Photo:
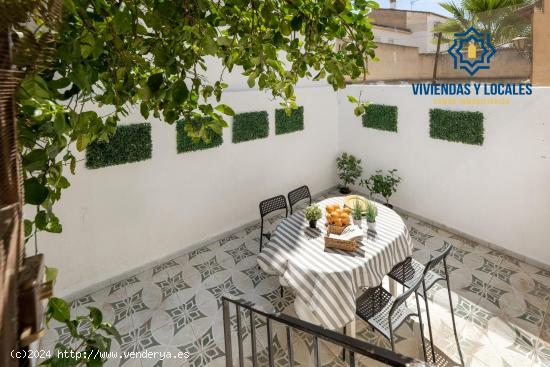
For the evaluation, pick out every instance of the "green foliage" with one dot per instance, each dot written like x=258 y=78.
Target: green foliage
x=457 y=126
x=92 y=335
x=152 y=55
x=357 y=210
x=250 y=126
x=372 y=212
x=186 y=143
x=380 y=117
x=349 y=169
x=385 y=185
x=313 y=212
x=285 y=123
x=131 y=143
x=500 y=19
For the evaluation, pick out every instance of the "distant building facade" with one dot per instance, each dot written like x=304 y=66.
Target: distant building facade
x=541 y=43
x=407 y=45
x=406 y=28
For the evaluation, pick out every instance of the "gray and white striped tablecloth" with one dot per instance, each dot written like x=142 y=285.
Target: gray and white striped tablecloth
x=329 y=280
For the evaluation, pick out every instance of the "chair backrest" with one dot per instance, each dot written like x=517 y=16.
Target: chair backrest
x=299 y=194
x=273 y=204
x=435 y=260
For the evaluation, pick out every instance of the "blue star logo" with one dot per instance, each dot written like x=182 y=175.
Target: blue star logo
x=461 y=46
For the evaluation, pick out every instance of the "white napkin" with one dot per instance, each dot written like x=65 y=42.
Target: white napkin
x=350 y=233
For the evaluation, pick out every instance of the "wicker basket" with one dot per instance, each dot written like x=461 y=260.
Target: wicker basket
x=336 y=243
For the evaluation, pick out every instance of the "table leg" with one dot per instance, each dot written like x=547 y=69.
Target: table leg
x=350 y=329
x=393 y=287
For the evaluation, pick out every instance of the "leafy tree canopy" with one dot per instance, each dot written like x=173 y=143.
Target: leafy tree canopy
x=153 y=54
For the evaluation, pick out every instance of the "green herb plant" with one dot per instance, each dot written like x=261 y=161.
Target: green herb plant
x=372 y=212
x=349 y=170
x=313 y=213
x=384 y=185
x=357 y=212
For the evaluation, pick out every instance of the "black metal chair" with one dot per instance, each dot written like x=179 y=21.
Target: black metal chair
x=409 y=270
x=268 y=206
x=299 y=194
x=385 y=313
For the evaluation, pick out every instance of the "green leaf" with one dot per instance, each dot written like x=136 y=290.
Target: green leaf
x=51 y=274
x=122 y=21
x=352 y=99
x=82 y=142
x=35 y=87
x=28 y=225
x=96 y=316
x=59 y=123
x=36 y=160
x=58 y=309
x=225 y=109
x=179 y=92
x=35 y=192
x=154 y=82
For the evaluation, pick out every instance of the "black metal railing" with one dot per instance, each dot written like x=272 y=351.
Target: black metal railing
x=351 y=346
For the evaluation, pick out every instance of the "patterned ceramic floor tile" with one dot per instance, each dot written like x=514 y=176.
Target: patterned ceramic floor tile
x=500 y=306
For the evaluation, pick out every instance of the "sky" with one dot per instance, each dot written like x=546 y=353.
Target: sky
x=424 y=5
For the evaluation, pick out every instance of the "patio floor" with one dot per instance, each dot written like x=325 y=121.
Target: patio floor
x=501 y=305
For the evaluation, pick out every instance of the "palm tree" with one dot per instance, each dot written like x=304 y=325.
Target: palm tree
x=499 y=18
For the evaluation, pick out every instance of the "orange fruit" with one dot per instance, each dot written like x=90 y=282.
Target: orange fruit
x=345 y=221
x=338 y=222
x=347 y=210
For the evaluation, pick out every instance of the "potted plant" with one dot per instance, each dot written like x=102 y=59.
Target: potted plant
x=349 y=170
x=357 y=213
x=313 y=213
x=384 y=185
x=372 y=212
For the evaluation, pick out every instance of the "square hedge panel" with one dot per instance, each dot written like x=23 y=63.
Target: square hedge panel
x=457 y=126
x=130 y=143
x=285 y=124
x=250 y=126
x=186 y=144
x=380 y=117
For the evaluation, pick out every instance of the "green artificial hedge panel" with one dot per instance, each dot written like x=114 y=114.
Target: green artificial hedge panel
x=186 y=144
x=285 y=124
x=380 y=117
x=131 y=143
x=250 y=126
x=457 y=126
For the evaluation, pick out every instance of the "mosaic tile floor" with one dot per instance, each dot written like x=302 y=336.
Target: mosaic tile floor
x=501 y=305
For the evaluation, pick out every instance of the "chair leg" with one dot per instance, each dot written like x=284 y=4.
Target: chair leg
x=344 y=349
x=392 y=341
x=429 y=321
x=453 y=314
x=421 y=327
x=282 y=291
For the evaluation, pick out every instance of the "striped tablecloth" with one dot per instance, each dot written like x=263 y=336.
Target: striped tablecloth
x=329 y=280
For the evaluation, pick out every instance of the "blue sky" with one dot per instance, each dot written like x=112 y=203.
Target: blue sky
x=425 y=5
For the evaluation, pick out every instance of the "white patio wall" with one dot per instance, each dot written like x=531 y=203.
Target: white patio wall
x=498 y=192
x=118 y=218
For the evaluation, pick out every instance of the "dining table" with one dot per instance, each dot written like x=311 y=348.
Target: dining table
x=327 y=281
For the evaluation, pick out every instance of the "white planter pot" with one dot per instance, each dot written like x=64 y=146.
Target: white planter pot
x=371 y=226
x=357 y=222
